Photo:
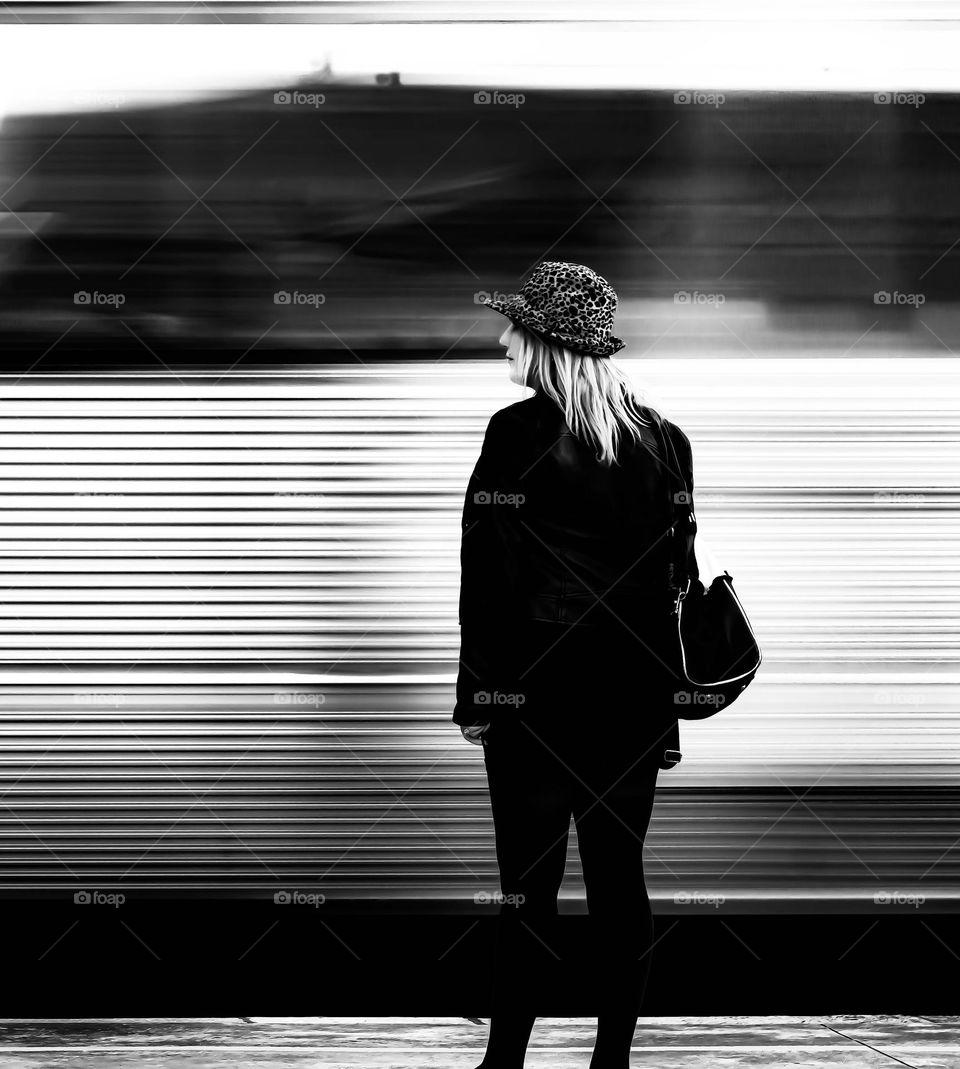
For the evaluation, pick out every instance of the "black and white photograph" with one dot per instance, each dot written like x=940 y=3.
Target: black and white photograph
x=479 y=529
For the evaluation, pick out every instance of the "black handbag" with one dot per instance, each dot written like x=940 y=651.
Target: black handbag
x=713 y=651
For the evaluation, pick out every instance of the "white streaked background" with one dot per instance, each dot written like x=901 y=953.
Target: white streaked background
x=229 y=626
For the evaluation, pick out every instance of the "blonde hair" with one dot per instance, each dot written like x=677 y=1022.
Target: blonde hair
x=597 y=399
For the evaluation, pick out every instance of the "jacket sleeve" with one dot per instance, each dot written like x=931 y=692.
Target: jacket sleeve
x=487 y=599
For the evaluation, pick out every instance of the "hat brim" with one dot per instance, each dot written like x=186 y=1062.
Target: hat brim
x=515 y=312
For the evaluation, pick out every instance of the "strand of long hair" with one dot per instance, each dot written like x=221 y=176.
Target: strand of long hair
x=597 y=399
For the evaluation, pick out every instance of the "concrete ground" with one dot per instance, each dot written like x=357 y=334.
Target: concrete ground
x=853 y=1042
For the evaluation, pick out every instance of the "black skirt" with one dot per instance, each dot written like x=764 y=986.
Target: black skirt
x=617 y=676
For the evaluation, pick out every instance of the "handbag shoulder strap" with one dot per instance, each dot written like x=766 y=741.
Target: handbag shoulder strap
x=683 y=521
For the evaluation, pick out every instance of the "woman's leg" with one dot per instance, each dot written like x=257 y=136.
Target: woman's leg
x=612 y=812
x=614 y=1039
x=532 y=804
x=507 y=1041
x=531 y=812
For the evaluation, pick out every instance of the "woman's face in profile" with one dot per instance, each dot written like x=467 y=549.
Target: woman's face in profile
x=510 y=340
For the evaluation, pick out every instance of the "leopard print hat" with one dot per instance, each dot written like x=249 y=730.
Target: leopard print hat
x=564 y=303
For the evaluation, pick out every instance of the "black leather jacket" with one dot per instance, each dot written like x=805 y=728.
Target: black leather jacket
x=547 y=530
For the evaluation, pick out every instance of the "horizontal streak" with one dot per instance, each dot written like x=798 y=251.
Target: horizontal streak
x=316 y=1045
x=206 y=553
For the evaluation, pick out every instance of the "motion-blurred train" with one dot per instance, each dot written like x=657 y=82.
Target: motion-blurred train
x=246 y=378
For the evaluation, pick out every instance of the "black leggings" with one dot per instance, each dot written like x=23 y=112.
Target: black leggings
x=541 y=771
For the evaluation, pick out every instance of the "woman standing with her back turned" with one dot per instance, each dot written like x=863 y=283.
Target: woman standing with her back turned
x=563 y=675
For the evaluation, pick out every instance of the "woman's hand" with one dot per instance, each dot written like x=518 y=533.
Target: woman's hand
x=472 y=732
